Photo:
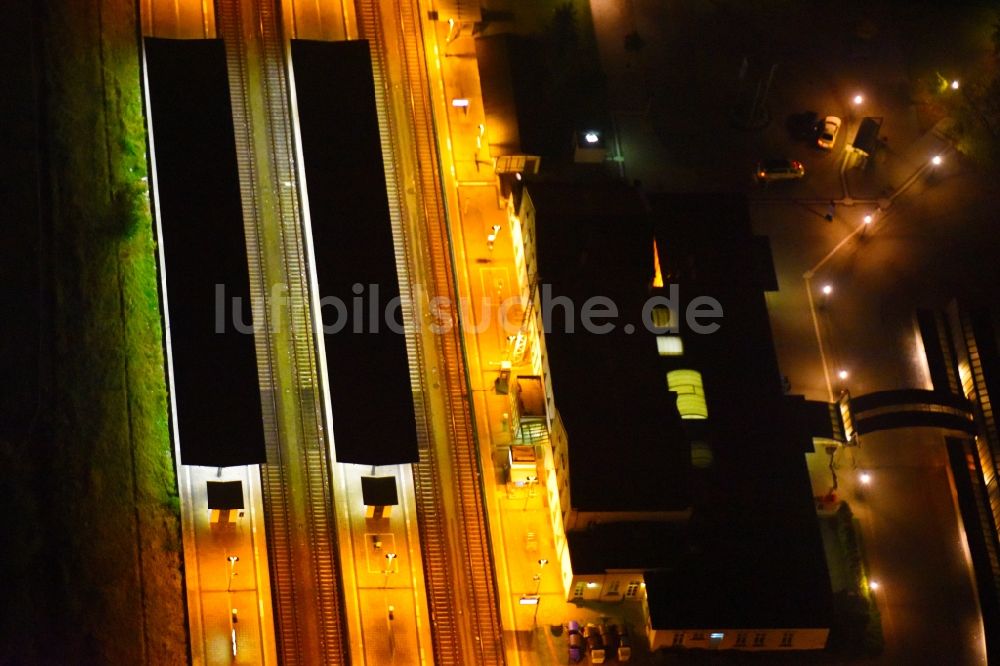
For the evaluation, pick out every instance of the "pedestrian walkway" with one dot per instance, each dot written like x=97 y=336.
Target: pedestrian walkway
x=524 y=543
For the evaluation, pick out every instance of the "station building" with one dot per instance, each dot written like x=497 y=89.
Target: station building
x=672 y=459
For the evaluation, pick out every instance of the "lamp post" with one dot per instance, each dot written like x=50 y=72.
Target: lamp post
x=531 y=481
x=826 y=290
x=233 y=617
x=854 y=108
x=232 y=559
x=389 y=557
x=538 y=588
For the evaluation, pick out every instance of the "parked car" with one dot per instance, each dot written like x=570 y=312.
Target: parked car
x=779 y=168
x=595 y=643
x=624 y=645
x=828 y=130
x=577 y=646
x=610 y=634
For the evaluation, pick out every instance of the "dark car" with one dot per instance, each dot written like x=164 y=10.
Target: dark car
x=595 y=643
x=779 y=168
x=611 y=636
x=624 y=645
x=577 y=645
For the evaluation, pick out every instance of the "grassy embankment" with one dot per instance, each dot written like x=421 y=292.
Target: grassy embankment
x=857 y=625
x=104 y=559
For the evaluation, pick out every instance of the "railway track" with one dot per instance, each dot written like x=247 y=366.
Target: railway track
x=297 y=493
x=458 y=561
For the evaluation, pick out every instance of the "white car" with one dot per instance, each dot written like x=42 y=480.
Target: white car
x=828 y=132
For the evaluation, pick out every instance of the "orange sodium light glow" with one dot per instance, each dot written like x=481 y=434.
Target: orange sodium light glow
x=657 y=275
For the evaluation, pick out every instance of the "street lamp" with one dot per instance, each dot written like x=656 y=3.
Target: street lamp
x=389 y=557
x=538 y=588
x=954 y=84
x=858 y=99
x=936 y=160
x=868 y=219
x=873 y=585
x=826 y=290
x=843 y=374
x=530 y=481
x=865 y=478
x=232 y=559
x=491 y=237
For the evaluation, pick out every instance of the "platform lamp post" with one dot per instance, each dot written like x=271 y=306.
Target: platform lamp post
x=538 y=588
x=530 y=483
x=233 y=616
x=389 y=557
x=232 y=559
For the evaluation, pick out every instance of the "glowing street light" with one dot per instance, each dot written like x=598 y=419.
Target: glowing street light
x=843 y=374
x=865 y=478
x=528 y=494
x=858 y=99
x=538 y=588
x=868 y=219
x=954 y=84
x=827 y=289
x=389 y=557
x=873 y=585
x=232 y=559
x=937 y=160
x=591 y=137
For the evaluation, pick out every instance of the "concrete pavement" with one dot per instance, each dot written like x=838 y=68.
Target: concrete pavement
x=213 y=588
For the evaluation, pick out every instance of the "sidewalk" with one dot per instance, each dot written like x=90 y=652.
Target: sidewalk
x=520 y=526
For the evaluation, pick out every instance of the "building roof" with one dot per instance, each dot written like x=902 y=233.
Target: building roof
x=754 y=533
x=640 y=546
x=371 y=399
x=379 y=491
x=627 y=448
x=759 y=557
x=498 y=93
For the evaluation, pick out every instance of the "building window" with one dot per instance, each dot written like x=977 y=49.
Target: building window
x=632 y=589
x=678 y=638
x=697 y=636
x=657 y=274
x=758 y=639
x=786 y=639
x=701 y=454
x=578 y=591
x=690 y=393
x=741 y=640
x=662 y=317
x=669 y=345
x=613 y=587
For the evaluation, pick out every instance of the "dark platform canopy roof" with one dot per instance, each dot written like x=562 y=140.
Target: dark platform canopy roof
x=225 y=494
x=379 y=490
